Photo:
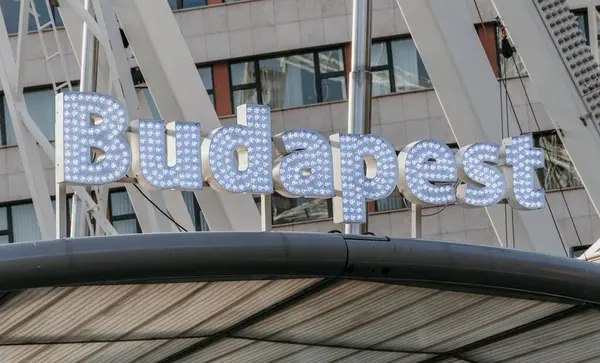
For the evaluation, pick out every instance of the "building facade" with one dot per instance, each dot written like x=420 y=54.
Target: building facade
x=294 y=55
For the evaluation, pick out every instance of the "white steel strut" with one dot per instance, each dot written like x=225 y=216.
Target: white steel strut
x=468 y=91
x=106 y=30
x=27 y=131
x=179 y=94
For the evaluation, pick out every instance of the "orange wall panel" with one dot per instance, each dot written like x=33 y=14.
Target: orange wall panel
x=487 y=35
x=222 y=90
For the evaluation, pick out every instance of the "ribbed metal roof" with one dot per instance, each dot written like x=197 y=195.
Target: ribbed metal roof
x=340 y=300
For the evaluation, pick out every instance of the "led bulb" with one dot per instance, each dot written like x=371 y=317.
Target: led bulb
x=571 y=42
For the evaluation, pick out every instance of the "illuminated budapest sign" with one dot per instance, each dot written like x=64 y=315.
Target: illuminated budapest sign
x=96 y=144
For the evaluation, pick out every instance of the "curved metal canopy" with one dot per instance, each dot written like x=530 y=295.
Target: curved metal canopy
x=278 y=297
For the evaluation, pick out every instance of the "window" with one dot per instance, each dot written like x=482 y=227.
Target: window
x=558 y=171
x=41 y=106
x=18 y=223
x=291 y=80
x=11 y=9
x=184 y=4
x=391 y=204
x=206 y=74
x=397 y=67
x=583 y=21
x=511 y=67
x=291 y=210
x=578 y=251
x=195 y=212
x=5 y=234
x=122 y=215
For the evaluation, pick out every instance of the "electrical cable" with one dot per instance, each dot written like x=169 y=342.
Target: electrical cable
x=159 y=209
x=508 y=52
x=436 y=213
x=179 y=226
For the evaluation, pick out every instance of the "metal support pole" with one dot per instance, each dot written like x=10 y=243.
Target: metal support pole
x=61 y=210
x=88 y=80
x=266 y=213
x=359 y=98
x=416 y=217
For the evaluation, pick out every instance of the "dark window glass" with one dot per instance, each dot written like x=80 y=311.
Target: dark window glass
x=207 y=79
x=4 y=225
x=583 y=22
x=193 y=3
x=243 y=73
x=578 y=251
x=184 y=4
x=293 y=210
x=11 y=9
x=122 y=215
x=333 y=88
x=41 y=107
x=331 y=61
x=509 y=67
x=391 y=203
x=558 y=171
x=397 y=67
x=194 y=209
x=409 y=71
x=289 y=81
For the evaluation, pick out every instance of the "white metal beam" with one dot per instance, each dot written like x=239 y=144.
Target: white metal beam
x=171 y=202
x=28 y=134
x=469 y=93
x=28 y=149
x=106 y=29
x=557 y=88
x=174 y=82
